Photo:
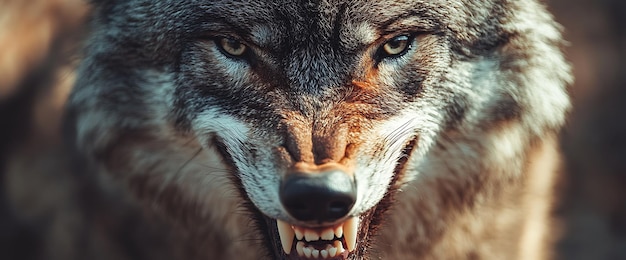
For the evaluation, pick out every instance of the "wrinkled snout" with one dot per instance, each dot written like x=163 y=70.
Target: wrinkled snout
x=318 y=196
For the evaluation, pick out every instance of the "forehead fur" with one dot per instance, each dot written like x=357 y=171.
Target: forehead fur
x=275 y=25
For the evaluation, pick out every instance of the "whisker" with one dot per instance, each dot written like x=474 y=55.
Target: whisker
x=188 y=161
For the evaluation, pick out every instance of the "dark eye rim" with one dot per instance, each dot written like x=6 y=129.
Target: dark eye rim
x=381 y=54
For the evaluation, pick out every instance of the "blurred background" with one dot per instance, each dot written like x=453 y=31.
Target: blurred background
x=38 y=43
x=594 y=203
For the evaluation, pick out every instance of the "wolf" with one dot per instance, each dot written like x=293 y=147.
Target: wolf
x=334 y=129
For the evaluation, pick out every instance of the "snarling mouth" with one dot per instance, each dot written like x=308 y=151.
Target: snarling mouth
x=321 y=243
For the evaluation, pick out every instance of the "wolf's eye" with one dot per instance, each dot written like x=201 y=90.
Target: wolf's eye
x=395 y=47
x=231 y=47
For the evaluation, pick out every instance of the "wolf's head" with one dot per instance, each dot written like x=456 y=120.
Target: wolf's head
x=317 y=111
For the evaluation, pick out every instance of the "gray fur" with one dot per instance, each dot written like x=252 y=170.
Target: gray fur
x=156 y=103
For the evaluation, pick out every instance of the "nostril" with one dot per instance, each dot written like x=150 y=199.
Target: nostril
x=302 y=211
x=338 y=209
x=322 y=197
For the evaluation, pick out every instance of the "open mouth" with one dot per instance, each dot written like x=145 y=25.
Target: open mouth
x=320 y=243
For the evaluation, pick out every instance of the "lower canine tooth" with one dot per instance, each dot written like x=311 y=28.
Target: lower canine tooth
x=350 y=228
x=286 y=234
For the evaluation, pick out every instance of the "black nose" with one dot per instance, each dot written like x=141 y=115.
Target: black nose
x=321 y=197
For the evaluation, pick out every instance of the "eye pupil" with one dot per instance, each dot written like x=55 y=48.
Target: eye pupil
x=232 y=47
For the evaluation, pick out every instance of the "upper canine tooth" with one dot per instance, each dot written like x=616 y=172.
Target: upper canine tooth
x=286 y=233
x=328 y=234
x=350 y=228
x=311 y=235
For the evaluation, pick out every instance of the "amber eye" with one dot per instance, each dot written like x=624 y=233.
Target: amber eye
x=396 y=46
x=232 y=47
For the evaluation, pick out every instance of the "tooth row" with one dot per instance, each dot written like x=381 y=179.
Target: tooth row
x=311 y=252
x=287 y=232
x=312 y=235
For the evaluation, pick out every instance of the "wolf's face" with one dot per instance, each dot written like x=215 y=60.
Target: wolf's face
x=320 y=110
